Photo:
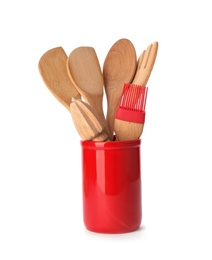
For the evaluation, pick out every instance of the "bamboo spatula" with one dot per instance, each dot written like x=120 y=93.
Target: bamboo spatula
x=52 y=68
x=127 y=125
x=85 y=73
x=87 y=122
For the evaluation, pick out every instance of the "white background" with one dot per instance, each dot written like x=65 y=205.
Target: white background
x=40 y=163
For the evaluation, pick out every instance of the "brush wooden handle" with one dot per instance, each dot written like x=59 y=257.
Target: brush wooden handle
x=127 y=130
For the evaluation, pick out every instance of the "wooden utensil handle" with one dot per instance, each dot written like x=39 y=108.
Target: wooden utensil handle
x=96 y=104
x=103 y=137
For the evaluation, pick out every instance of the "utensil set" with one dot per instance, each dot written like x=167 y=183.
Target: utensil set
x=78 y=83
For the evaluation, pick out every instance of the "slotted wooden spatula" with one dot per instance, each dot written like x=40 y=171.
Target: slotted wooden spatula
x=87 y=122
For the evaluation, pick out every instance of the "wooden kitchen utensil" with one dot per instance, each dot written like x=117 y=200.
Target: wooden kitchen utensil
x=87 y=122
x=129 y=121
x=85 y=72
x=146 y=62
x=119 y=68
x=52 y=68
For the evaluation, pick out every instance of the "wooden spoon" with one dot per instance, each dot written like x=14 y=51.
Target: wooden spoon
x=52 y=67
x=119 y=68
x=87 y=122
x=85 y=72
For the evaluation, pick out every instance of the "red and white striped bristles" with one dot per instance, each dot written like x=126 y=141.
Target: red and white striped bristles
x=132 y=103
x=133 y=97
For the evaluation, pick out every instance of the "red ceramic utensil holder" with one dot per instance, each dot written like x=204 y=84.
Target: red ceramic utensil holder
x=111 y=186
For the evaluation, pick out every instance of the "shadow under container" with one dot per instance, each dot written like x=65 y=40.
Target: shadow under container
x=111 y=186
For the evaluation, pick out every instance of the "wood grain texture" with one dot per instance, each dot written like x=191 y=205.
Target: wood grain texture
x=119 y=67
x=52 y=68
x=87 y=122
x=146 y=63
x=129 y=130
x=85 y=73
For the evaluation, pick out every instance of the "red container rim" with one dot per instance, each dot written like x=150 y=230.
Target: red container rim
x=110 y=145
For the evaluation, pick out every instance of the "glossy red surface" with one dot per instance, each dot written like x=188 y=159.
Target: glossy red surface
x=111 y=186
